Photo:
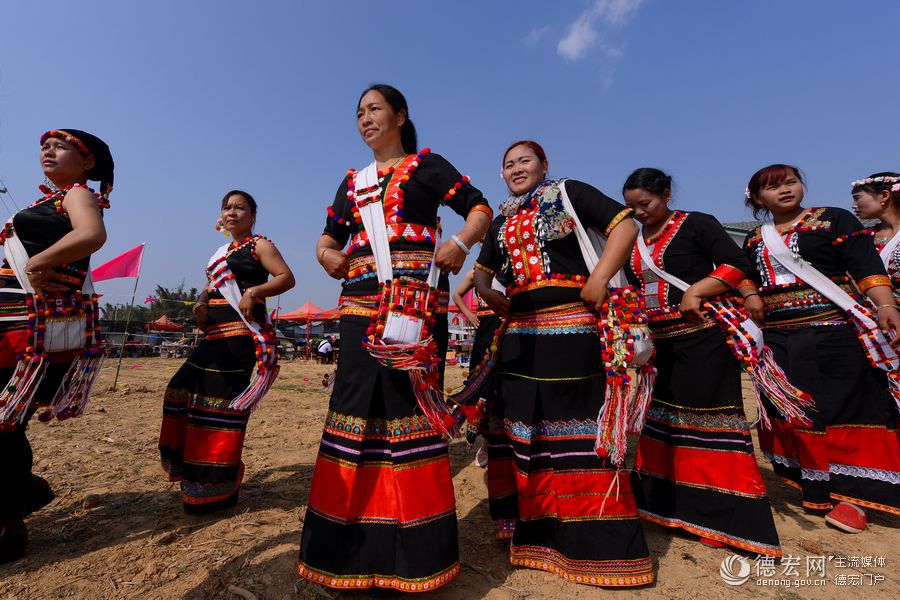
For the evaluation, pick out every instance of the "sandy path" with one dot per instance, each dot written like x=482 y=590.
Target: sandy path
x=137 y=543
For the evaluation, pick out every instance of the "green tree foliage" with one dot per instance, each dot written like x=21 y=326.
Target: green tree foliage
x=175 y=303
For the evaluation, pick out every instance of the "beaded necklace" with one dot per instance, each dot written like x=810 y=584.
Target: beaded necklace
x=397 y=179
x=53 y=196
x=216 y=268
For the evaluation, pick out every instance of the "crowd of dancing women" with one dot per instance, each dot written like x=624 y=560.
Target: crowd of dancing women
x=598 y=320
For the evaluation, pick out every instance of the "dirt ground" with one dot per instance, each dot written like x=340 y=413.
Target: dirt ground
x=137 y=543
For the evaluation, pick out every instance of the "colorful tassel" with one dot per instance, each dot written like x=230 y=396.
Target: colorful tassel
x=758 y=362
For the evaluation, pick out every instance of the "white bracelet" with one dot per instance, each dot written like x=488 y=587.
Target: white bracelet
x=461 y=244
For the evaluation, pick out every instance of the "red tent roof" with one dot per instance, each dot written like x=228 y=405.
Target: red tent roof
x=164 y=324
x=311 y=312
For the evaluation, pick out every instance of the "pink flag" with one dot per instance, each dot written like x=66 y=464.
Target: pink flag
x=470 y=300
x=127 y=264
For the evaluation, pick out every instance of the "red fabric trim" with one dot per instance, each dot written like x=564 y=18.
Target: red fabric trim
x=872 y=446
x=575 y=494
x=808 y=447
x=729 y=471
x=867 y=283
x=12 y=344
x=172 y=433
x=213 y=445
x=864 y=446
x=374 y=491
x=728 y=274
x=483 y=208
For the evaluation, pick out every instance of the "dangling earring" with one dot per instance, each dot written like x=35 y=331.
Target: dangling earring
x=220 y=226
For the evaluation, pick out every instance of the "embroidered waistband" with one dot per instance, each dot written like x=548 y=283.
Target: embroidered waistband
x=225 y=330
x=402 y=262
x=681 y=327
x=365 y=306
x=561 y=319
x=819 y=319
x=550 y=282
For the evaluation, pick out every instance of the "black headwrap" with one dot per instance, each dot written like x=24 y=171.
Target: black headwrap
x=89 y=145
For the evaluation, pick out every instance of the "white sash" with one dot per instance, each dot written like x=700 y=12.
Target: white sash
x=232 y=293
x=644 y=252
x=888 y=249
x=372 y=215
x=398 y=328
x=591 y=241
x=825 y=286
x=61 y=334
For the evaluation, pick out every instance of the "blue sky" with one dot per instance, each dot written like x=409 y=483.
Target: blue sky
x=196 y=98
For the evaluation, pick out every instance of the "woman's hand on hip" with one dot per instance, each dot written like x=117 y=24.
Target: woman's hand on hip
x=335 y=263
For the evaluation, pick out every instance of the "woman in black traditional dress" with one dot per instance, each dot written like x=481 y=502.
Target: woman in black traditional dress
x=695 y=467
x=208 y=401
x=565 y=509
x=381 y=510
x=59 y=232
x=851 y=453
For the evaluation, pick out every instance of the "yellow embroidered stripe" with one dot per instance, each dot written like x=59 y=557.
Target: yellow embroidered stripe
x=617 y=219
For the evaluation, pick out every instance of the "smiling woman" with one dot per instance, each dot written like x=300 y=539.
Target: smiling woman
x=851 y=452
x=550 y=493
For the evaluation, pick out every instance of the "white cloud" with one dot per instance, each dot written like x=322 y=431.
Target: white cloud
x=536 y=35
x=585 y=31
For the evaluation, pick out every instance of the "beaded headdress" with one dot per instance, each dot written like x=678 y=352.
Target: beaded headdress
x=89 y=146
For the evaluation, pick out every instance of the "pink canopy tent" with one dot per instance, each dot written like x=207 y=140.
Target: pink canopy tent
x=308 y=313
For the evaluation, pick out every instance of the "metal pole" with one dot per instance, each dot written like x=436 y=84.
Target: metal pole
x=125 y=337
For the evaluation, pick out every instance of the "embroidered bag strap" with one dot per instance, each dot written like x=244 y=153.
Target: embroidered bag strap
x=876 y=344
x=590 y=241
x=888 y=249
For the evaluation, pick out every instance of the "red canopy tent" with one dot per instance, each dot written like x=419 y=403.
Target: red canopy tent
x=164 y=324
x=308 y=313
x=302 y=314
